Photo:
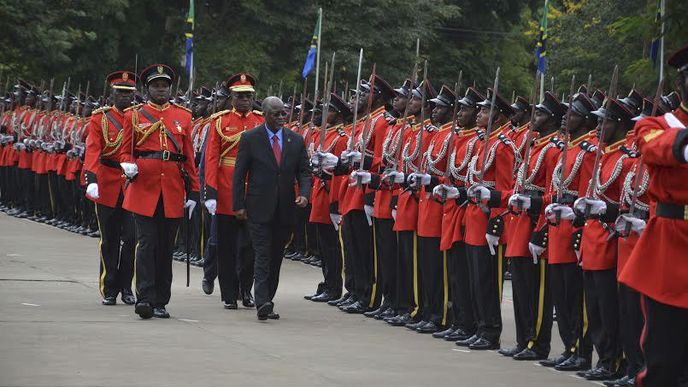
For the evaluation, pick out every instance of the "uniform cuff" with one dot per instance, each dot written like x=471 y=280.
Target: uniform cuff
x=679 y=144
x=495 y=200
x=90 y=177
x=209 y=193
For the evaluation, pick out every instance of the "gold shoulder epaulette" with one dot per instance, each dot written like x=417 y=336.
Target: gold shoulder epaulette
x=258 y=112
x=182 y=107
x=133 y=107
x=220 y=113
x=101 y=110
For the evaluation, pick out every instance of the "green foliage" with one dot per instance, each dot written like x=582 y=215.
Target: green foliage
x=87 y=39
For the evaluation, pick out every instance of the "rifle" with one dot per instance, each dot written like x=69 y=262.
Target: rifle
x=327 y=97
x=423 y=99
x=490 y=123
x=291 y=107
x=452 y=134
x=303 y=103
x=279 y=90
x=350 y=145
x=404 y=119
x=176 y=92
x=592 y=188
x=564 y=152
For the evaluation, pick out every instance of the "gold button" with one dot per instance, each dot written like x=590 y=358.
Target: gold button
x=162 y=174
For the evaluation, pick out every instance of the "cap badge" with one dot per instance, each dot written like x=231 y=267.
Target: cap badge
x=243 y=78
x=125 y=76
x=160 y=69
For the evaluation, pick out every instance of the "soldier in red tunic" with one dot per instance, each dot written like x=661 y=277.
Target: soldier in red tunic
x=224 y=134
x=657 y=266
x=599 y=250
x=157 y=157
x=105 y=186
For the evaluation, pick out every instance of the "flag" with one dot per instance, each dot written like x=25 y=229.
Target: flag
x=541 y=46
x=189 y=39
x=312 y=51
x=654 y=47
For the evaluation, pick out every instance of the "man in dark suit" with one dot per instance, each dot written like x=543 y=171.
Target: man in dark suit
x=272 y=158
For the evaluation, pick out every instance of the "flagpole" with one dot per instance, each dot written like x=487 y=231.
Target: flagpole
x=542 y=74
x=317 y=53
x=661 y=40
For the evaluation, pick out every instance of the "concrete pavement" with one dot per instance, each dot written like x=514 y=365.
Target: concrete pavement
x=54 y=332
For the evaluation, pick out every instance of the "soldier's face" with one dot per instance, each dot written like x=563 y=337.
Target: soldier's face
x=30 y=100
x=415 y=104
x=609 y=127
x=159 y=91
x=466 y=116
x=362 y=100
x=122 y=98
x=441 y=114
x=517 y=117
x=399 y=103
x=539 y=120
x=683 y=85
x=242 y=101
x=483 y=117
x=86 y=112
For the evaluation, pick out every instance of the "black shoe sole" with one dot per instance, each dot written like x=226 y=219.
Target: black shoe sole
x=264 y=311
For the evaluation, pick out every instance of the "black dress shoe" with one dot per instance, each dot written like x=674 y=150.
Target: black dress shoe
x=349 y=301
x=207 y=286
x=374 y=313
x=457 y=335
x=144 y=310
x=483 y=344
x=429 y=327
x=574 y=363
x=344 y=297
x=160 y=312
x=247 y=300
x=323 y=297
x=510 y=352
x=600 y=373
x=444 y=333
x=549 y=363
x=400 y=320
x=298 y=257
x=620 y=382
x=231 y=305
x=387 y=313
x=413 y=325
x=529 y=354
x=630 y=382
x=273 y=316
x=265 y=310
x=109 y=300
x=468 y=341
x=128 y=297
x=357 y=307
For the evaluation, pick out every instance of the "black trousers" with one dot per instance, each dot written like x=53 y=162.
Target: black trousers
x=431 y=263
x=210 y=249
x=331 y=253
x=227 y=251
x=485 y=273
x=27 y=186
x=566 y=286
x=41 y=194
x=359 y=251
x=665 y=345
x=245 y=258
x=385 y=241
x=631 y=323
x=299 y=240
x=460 y=296
x=602 y=305
x=116 y=249
x=154 y=241
x=532 y=304
x=268 y=240
x=408 y=280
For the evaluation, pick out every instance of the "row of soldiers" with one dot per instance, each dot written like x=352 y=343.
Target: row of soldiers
x=419 y=198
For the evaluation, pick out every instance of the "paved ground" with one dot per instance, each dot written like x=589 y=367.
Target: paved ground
x=54 y=332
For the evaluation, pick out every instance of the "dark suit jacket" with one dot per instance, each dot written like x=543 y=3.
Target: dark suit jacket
x=270 y=194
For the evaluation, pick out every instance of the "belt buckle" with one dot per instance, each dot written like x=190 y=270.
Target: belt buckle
x=166 y=155
x=685 y=213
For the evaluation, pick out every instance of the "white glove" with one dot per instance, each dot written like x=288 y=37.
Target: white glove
x=20 y=146
x=92 y=190
x=637 y=225
x=522 y=202
x=418 y=179
x=394 y=215
x=394 y=177
x=685 y=152
x=492 y=243
x=369 y=213
x=325 y=161
x=130 y=169
x=190 y=204
x=535 y=251
x=565 y=212
x=211 y=205
x=597 y=207
x=363 y=175
x=447 y=191
x=479 y=192
x=336 y=220
x=350 y=157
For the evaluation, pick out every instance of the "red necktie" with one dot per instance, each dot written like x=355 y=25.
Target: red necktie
x=276 y=149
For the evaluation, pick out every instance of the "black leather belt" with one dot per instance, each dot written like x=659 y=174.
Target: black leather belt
x=672 y=211
x=110 y=163
x=162 y=155
x=533 y=193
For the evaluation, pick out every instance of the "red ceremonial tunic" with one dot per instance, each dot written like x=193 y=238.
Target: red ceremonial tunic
x=435 y=160
x=382 y=205
x=220 y=154
x=658 y=265
x=158 y=177
x=335 y=143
